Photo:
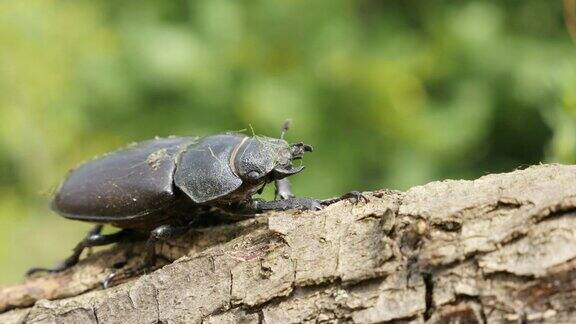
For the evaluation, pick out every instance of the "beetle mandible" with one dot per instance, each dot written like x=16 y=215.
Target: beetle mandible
x=159 y=186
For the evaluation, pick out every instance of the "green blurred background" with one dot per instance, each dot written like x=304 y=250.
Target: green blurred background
x=391 y=93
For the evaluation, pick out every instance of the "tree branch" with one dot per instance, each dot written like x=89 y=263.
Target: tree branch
x=500 y=248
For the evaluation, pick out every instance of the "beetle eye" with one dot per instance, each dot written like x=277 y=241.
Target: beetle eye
x=253 y=175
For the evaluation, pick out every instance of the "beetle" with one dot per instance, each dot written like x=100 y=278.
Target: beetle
x=159 y=187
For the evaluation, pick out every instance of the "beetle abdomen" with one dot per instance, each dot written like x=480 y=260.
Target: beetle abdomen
x=133 y=182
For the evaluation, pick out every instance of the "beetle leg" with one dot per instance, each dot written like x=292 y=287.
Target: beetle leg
x=161 y=233
x=355 y=196
x=97 y=229
x=93 y=238
x=283 y=189
x=259 y=206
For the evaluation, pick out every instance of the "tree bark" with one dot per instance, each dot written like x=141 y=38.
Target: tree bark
x=498 y=249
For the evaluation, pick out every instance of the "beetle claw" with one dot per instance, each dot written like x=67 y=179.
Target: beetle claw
x=355 y=196
x=108 y=279
x=315 y=205
x=122 y=274
x=58 y=268
x=307 y=204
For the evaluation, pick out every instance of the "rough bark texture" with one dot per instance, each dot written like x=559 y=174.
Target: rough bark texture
x=500 y=248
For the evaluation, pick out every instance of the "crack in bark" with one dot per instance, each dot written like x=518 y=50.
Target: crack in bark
x=260 y=317
x=482 y=312
x=429 y=295
x=95 y=315
x=157 y=303
x=230 y=290
x=464 y=309
x=407 y=319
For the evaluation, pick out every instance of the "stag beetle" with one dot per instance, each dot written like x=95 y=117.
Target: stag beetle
x=157 y=187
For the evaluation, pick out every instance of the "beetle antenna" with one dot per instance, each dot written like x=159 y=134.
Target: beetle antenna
x=285 y=127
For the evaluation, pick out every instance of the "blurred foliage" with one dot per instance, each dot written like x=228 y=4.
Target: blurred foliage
x=390 y=93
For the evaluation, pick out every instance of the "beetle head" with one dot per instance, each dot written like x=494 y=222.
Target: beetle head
x=264 y=159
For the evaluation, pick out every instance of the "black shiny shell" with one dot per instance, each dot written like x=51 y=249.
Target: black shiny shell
x=133 y=182
x=205 y=171
x=259 y=155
